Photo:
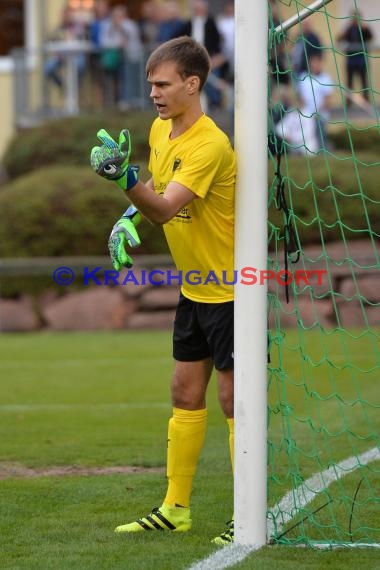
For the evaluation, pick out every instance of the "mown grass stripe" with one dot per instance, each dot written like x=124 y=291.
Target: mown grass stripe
x=301 y=496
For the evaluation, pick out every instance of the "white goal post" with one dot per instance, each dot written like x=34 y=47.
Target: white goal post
x=250 y=477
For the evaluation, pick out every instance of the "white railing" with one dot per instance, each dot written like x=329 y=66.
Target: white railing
x=82 y=84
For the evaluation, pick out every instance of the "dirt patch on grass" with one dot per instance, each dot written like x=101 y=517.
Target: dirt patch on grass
x=11 y=470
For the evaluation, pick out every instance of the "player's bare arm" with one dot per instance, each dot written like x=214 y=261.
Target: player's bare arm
x=159 y=209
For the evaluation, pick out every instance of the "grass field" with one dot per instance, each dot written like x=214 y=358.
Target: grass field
x=88 y=400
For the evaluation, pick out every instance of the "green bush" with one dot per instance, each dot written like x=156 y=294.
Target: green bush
x=330 y=197
x=64 y=209
x=354 y=138
x=68 y=141
x=60 y=211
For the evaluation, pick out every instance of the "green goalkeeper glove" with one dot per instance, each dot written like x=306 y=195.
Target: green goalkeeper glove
x=124 y=233
x=111 y=160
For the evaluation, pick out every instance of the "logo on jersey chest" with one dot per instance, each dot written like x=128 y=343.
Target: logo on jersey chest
x=176 y=164
x=183 y=215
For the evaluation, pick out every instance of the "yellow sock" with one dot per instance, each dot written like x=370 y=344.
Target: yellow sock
x=186 y=434
x=231 y=426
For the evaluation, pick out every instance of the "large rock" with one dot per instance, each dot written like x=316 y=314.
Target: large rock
x=305 y=313
x=340 y=255
x=18 y=315
x=46 y=298
x=100 y=308
x=365 y=286
x=359 y=302
x=303 y=280
x=159 y=298
x=338 y=258
x=168 y=276
x=136 y=282
x=151 y=320
x=353 y=314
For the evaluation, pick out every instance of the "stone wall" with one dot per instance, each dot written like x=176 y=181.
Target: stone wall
x=103 y=307
x=348 y=296
x=354 y=278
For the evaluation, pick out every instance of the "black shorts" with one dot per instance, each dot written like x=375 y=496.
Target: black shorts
x=204 y=330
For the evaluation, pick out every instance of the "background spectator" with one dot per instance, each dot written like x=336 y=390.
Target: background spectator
x=68 y=30
x=315 y=89
x=133 y=69
x=307 y=44
x=101 y=14
x=121 y=58
x=170 y=24
x=148 y=24
x=279 y=66
x=226 y=26
x=356 y=35
x=298 y=131
x=202 y=27
x=113 y=39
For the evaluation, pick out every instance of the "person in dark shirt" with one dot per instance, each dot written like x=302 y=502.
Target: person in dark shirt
x=148 y=24
x=356 y=35
x=170 y=24
x=307 y=44
x=202 y=27
x=101 y=13
x=279 y=67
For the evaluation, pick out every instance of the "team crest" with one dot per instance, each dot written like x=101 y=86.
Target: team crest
x=176 y=164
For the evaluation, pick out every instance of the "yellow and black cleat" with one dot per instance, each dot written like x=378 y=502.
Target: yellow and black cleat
x=227 y=537
x=176 y=519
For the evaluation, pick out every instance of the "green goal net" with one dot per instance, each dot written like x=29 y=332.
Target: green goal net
x=323 y=274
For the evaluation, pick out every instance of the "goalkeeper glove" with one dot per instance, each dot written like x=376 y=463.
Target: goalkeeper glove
x=124 y=233
x=111 y=160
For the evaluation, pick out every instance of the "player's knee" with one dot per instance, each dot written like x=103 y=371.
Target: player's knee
x=227 y=404
x=186 y=400
x=186 y=397
x=226 y=392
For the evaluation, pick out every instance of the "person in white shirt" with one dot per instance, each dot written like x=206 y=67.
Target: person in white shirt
x=298 y=131
x=315 y=89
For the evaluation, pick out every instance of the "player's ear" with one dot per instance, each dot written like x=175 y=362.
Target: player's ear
x=193 y=84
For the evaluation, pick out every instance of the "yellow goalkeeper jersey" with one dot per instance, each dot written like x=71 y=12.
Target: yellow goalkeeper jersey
x=201 y=235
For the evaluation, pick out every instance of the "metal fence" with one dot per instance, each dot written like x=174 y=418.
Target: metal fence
x=67 y=78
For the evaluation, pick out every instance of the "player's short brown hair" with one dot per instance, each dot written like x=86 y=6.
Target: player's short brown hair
x=190 y=57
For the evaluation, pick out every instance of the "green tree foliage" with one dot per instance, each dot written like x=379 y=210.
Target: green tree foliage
x=68 y=141
x=59 y=211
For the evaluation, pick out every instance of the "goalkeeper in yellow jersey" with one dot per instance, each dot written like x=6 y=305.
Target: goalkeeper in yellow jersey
x=191 y=193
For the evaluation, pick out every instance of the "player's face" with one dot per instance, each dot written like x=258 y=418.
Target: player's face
x=172 y=95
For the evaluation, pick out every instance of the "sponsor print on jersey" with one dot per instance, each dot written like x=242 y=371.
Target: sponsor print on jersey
x=183 y=215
